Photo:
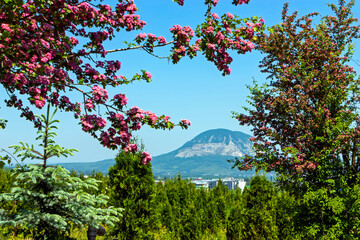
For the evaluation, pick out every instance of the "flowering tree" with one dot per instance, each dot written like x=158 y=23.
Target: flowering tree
x=42 y=59
x=305 y=120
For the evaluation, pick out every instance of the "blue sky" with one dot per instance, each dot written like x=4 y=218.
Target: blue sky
x=192 y=89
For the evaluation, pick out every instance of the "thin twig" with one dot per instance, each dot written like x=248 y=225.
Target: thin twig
x=87 y=95
x=356 y=62
x=152 y=54
x=11 y=156
x=136 y=47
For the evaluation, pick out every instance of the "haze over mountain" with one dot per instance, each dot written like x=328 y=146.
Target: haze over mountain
x=204 y=155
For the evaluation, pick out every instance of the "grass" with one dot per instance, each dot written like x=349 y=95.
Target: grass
x=162 y=234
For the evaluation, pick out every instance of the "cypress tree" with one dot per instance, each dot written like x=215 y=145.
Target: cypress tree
x=132 y=187
x=259 y=212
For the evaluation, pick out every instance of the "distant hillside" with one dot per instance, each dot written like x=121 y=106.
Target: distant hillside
x=205 y=155
x=87 y=167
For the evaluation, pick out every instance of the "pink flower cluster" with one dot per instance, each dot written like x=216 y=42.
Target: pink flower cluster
x=145 y=158
x=100 y=95
x=121 y=98
x=92 y=122
x=212 y=2
x=89 y=104
x=39 y=101
x=149 y=39
x=239 y=2
x=47 y=41
x=185 y=123
x=182 y=37
x=131 y=148
x=217 y=36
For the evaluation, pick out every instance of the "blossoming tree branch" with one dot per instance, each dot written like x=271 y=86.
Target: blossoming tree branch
x=42 y=58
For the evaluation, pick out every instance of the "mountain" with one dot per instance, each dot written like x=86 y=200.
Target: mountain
x=87 y=167
x=216 y=142
x=205 y=155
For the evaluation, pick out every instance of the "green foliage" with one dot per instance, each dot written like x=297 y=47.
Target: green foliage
x=164 y=209
x=48 y=146
x=259 y=210
x=189 y=213
x=286 y=209
x=49 y=201
x=319 y=213
x=235 y=223
x=182 y=196
x=132 y=188
x=3 y=123
x=322 y=214
x=305 y=119
x=52 y=199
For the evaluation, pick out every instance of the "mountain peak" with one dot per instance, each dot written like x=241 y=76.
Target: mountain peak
x=217 y=142
x=205 y=153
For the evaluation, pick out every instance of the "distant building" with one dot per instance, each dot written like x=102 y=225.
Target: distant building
x=159 y=181
x=213 y=183
x=231 y=183
x=199 y=183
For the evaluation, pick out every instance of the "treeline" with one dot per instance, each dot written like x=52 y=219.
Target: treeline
x=176 y=209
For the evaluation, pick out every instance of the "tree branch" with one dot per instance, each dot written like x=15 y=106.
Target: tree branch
x=136 y=47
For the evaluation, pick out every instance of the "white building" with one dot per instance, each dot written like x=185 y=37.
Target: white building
x=231 y=183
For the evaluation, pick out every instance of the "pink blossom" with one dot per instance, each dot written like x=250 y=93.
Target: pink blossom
x=209 y=30
x=145 y=157
x=47 y=26
x=121 y=97
x=141 y=35
x=250 y=24
x=215 y=16
x=148 y=75
x=131 y=148
x=211 y=46
x=39 y=101
x=136 y=126
x=229 y=15
x=161 y=39
x=101 y=122
x=239 y=2
x=166 y=119
x=250 y=45
x=6 y=27
x=89 y=104
x=100 y=94
x=44 y=59
x=186 y=122
x=105 y=138
x=153 y=118
x=74 y=40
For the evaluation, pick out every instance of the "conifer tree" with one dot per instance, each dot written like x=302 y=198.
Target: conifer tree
x=133 y=188
x=182 y=196
x=164 y=209
x=234 y=221
x=259 y=212
x=51 y=200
